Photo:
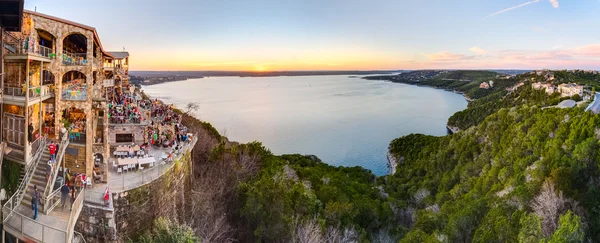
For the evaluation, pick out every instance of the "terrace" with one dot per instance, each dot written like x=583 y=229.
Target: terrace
x=140 y=172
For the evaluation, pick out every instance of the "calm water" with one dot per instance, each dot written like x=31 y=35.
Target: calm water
x=344 y=121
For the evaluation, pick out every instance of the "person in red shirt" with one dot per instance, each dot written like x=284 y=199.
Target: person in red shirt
x=52 y=149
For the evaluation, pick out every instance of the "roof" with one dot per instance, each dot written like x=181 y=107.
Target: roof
x=86 y=27
x=119 y=54
x=11 y=14
x=567 y=104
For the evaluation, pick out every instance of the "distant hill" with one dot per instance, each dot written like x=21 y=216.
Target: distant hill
x=257 y=74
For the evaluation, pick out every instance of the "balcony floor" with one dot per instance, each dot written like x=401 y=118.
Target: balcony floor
x=58 y=218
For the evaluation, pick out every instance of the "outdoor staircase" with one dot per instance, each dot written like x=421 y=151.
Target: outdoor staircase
x=38 y=179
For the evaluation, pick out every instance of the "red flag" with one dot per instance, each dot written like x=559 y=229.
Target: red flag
x=106 y=194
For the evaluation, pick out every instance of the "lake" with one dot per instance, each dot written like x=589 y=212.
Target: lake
x=342 y=120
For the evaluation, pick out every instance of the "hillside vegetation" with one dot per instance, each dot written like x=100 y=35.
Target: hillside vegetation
x=516 y=173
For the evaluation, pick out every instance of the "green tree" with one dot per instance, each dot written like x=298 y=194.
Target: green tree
x=531 y=229
x=569 y=229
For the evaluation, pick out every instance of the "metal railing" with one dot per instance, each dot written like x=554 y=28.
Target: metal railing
x=40 y=91
x=51 y=198
x=16 y=198
x=14 y=91
x=134 y=179
x=32 y=92
x=76 y=210
x=26 y=47
x=108 y=82
x=33 y=229
x=74 y=58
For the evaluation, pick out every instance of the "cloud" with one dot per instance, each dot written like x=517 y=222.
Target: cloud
x=553 y=2
x=445 y=57
x=478 y=50
x=580 y=57
x=515 y=7
x=538 y=29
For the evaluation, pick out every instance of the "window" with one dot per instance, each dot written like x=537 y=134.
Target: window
x=125 y=138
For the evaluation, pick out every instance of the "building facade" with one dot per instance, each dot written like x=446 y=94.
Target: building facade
x=58 y=75
x=570 y=89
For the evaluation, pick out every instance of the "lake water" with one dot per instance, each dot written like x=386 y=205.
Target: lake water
x=344 y=121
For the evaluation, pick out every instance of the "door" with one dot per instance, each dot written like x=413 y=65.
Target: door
x=14 y=129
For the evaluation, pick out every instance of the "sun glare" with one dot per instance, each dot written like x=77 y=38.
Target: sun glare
x=260 y=68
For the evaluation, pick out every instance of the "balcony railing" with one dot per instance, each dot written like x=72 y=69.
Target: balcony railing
x=74 y=90
x=14 y=91
x=33 y=92
x=41 y=91
x=74 y=58
x=25 y=47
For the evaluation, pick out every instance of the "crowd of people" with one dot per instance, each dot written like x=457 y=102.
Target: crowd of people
x=123 y=108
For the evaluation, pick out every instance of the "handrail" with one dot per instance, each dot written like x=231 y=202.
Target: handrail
x=76 y=210
x=34 y=222
x=60 y=154
x=14 y=91
x=24 y=46
x=16 y=198
x=74 y=58
x=48 y=193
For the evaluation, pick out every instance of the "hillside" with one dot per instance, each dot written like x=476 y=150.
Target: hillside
x=497 y=181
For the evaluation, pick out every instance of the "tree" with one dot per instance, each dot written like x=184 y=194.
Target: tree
x=548 y=205
x=569 y=229
x=531 y=229
x=192 y=106
x=165 y=231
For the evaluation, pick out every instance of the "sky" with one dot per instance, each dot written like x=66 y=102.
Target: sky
x=285 y=35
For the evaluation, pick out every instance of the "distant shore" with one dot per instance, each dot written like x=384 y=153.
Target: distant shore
x=158 y=77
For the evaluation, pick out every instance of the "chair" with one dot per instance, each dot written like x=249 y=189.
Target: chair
x=114 y=164
x=88 y=181
x=119 y=170
x=78 y=135
x=71 y=136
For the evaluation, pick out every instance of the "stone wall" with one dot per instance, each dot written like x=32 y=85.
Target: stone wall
x=136 y=130
x=96 y=222
x=137 y=209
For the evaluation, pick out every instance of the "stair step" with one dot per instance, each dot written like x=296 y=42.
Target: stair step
x=38 y=177
x=40 y=184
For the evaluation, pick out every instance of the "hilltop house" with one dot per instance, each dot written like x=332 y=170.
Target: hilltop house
x=549 y=88
x=570 y=89
x=484 y=85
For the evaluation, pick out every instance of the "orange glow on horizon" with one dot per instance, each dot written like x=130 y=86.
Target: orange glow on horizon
x=260 y=68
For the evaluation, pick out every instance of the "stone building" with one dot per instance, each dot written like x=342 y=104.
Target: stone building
x=570 y=89
x=55 y=78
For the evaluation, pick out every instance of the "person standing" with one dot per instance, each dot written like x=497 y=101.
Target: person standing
x=30 y=132
x=73 y=195
x=64 y=190
x=63 y=131
x=48 y=170
x=34 y=202
x=52 y=149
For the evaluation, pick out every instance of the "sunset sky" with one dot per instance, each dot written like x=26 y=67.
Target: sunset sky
x=265 y=35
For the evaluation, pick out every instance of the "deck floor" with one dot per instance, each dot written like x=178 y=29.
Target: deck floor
x=57 y=219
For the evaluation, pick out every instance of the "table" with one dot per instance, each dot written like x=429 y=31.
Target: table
x=126 y=161
x=149 y=160
x=126 y=149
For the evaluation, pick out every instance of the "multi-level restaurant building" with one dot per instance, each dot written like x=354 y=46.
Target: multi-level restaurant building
x=60 y=84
